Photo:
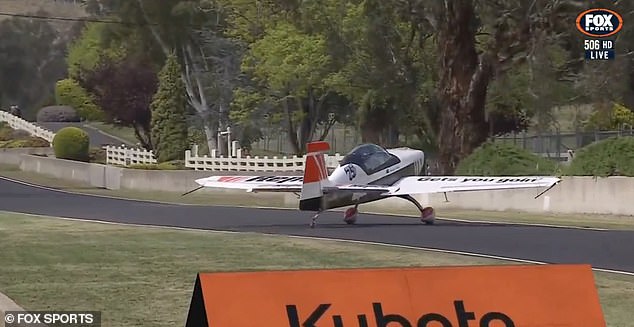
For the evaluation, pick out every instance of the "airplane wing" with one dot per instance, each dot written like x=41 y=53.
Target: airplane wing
x=441 y=184
x=254 y=183
x=405 y=186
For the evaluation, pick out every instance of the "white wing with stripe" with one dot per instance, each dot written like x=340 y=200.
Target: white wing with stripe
x=441 y=184
x=407 y=185
x=254 y=183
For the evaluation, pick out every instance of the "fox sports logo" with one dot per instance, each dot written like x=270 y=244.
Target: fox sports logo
x=599 y=22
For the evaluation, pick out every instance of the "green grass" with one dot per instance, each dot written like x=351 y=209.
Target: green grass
x=203 y=197
x=141 y=276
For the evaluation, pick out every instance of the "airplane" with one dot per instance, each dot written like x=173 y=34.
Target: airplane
x=366 y=174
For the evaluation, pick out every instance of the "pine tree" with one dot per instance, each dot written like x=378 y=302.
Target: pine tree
x=169 y=126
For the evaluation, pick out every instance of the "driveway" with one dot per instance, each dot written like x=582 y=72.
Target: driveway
x=97 y=137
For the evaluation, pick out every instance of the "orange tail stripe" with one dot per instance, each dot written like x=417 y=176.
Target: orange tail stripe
x=312 y=171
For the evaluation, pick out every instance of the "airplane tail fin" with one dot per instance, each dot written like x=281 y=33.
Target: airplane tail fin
x=315 y=176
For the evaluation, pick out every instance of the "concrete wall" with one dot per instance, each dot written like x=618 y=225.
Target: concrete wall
x=574 y=194
x=612 y=195
x=173 y=180
x=13 y=156
x=111 y=177
x=91 y=174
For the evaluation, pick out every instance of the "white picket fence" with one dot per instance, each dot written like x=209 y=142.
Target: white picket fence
x=18 y=123
x=248 y=163
x=124 y=156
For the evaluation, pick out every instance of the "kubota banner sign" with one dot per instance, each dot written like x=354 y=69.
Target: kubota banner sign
x=474 y=296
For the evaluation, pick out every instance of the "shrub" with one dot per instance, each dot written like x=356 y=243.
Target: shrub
x=167 y=165
x=505 y=160
x=57 y=114
x=69 y=92
x=71 y=143
x=97 y=155
x=610 y=157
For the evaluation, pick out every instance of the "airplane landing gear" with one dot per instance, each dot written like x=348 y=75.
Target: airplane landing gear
x=350 y=217
x=427 y=214
x=313 y=222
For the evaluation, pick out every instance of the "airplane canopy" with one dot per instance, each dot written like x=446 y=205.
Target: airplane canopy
x=370 y=157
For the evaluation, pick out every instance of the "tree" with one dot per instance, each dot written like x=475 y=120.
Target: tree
x=196 y=29
x=31 y=60
x=291 y=69
x=477 y=41
x=169 y=125
x=384 y=74
x=90 y=48
x=123 y=90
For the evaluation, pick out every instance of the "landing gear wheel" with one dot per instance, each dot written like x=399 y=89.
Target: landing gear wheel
x=428 y=215
x=313 y=222
x=350 y=217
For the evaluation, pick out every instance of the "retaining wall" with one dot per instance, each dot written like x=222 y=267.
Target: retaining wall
x=13 y=156
x=111 y=177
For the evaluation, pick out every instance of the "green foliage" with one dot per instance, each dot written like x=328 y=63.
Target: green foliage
x=288 y=60
x=610 y=157
x=197 y=136
x=501 y=159
x=31 y=60
x=167 y=165
x=69 y=92
x=90 y=48
x=71 y=143
x=614 y=118
x=169 y=127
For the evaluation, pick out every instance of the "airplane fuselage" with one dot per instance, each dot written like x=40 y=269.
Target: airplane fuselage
x=386 y=169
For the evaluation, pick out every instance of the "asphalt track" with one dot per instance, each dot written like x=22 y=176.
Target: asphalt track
x=603 y=249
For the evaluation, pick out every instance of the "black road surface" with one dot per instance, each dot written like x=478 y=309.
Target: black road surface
x=97 y=138
x=602 y=249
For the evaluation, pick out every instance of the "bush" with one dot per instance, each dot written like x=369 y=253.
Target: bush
x=97 y=155
x=167 y=165
x=609 y=157
x=71 y=143
x=69 y=92
x=57 y=114
x=505 y=160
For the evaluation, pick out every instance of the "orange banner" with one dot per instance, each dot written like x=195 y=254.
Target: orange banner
x=482 y=296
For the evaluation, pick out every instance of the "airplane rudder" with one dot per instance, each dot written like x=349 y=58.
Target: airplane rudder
x=317 y=146
x=315 y=166
x=312 y=193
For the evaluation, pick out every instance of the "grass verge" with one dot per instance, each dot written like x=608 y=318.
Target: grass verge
x=250 y=199
x=142 y=276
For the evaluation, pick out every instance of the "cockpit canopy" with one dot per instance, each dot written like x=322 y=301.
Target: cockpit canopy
x=370 y=157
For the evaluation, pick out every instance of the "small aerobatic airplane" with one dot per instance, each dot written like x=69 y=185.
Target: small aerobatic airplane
x=369 y=173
